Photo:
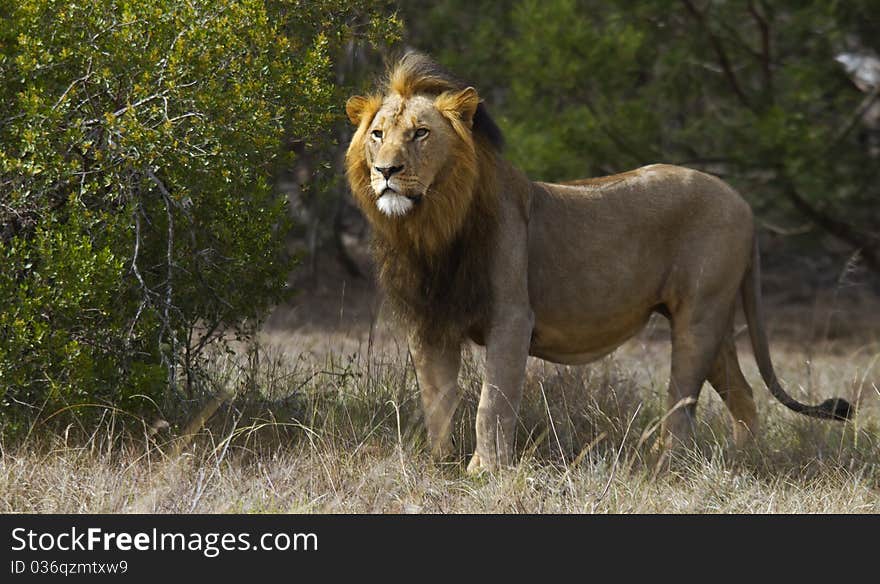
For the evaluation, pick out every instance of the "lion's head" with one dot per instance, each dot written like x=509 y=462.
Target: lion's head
x=423 y=150
x=422 y=168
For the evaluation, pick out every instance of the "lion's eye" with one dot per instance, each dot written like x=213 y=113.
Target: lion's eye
x=377 y=134
x=421 y=133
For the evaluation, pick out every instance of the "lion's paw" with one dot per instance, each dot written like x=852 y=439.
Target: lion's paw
x=478 y=466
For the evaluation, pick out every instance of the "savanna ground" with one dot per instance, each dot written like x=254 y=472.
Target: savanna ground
x=323 y=416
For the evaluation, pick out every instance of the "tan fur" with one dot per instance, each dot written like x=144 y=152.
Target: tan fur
x=565 y=272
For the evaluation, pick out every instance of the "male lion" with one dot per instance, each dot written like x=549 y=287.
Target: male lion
x=467 y=247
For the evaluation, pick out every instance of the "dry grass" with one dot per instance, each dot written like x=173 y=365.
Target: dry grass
x=339 y=431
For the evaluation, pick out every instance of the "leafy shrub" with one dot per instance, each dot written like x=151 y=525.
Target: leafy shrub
x=138 y=219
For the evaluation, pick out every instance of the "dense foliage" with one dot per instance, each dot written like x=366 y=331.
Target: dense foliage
x=139 y=222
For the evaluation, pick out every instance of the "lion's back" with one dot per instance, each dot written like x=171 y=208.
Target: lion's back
x=662 y=197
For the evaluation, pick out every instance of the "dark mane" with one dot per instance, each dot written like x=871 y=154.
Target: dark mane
x=415 y=72
x=447 y=297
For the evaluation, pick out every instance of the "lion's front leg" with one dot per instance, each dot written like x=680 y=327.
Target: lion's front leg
x=507 y=349
x=437 y=373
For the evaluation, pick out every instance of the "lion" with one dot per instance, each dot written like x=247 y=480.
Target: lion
x=468 y=248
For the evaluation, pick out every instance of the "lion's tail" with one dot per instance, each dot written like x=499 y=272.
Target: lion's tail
x=830 y=409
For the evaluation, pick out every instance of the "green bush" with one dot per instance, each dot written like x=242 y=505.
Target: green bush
x=138 y=219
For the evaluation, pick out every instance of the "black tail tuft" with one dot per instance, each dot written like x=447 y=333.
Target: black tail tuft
x=836 y=409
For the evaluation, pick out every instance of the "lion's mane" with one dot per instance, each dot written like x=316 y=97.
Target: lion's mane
x=433 y=265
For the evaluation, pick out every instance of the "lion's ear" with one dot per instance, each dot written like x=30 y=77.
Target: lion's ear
x=464 y=103
x=468 y=100
x=355 y=107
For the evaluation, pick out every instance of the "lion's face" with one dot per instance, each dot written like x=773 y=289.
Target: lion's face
x=410 y=144
x=414 y=165
x=406 y=145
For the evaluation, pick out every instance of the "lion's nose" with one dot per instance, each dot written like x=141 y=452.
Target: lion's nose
x=387 y=171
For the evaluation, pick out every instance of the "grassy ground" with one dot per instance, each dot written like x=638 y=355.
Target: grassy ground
x=329 y=422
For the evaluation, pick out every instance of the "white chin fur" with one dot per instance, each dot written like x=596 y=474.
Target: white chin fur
x=394 y=205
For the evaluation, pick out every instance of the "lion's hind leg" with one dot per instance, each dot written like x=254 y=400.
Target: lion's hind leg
x=697 y=333
x=727 y=378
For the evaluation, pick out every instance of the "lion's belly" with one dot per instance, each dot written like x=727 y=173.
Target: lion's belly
x=578 y=342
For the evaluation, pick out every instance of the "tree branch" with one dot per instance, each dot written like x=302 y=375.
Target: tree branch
x=171 y=358
x=723 y=60
x=835 y=227
x=854 y=118
x=766 y=59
